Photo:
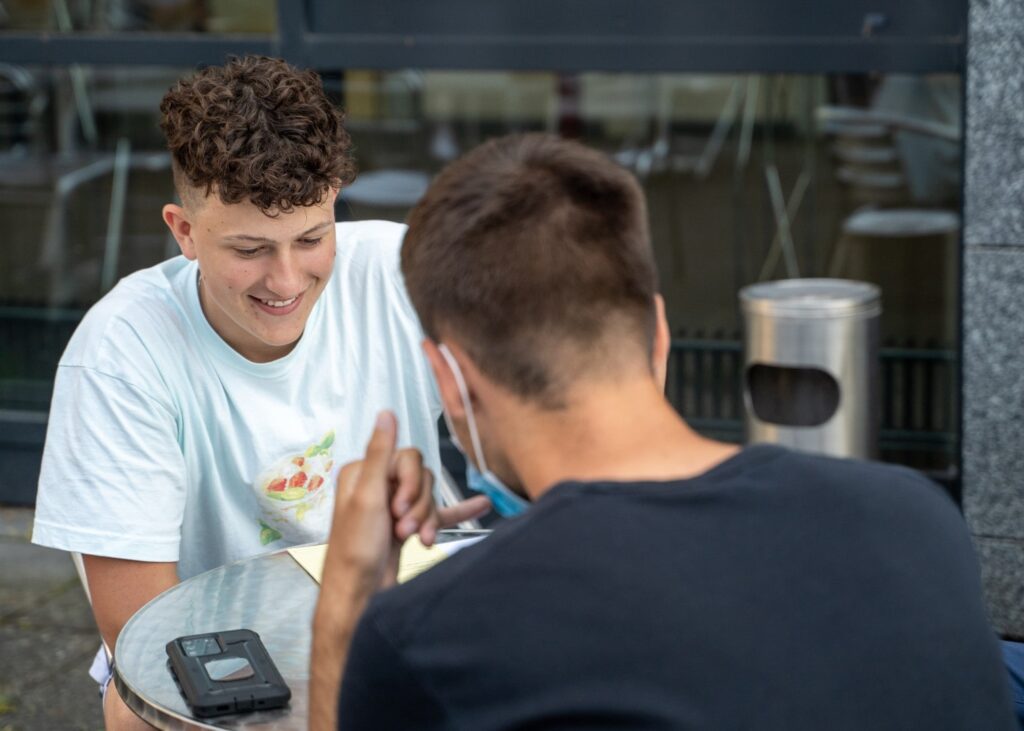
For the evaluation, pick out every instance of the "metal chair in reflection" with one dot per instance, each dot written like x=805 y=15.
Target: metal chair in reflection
x=663 y=153
x=68 y=277
x=385 y=112
x=907 y=250
x=462 y=109
x=911 y=254
x=37 y=178
x=410 y=118
x=25 y=175
x=866 y=147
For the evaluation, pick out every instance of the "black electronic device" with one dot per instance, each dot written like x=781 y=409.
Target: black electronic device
x=226 y=672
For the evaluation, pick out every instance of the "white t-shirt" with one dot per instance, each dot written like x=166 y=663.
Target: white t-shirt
x=164 y=444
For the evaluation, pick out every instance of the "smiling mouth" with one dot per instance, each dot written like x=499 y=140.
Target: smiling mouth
x=277 y=303
x=278 y=307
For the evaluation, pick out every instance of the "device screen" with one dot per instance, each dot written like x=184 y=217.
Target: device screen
x=228 y=668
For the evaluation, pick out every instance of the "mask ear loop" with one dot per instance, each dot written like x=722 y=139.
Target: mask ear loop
x=451 y=431
x=474 y=437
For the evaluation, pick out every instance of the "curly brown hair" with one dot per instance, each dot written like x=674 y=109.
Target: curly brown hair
x=256 y=129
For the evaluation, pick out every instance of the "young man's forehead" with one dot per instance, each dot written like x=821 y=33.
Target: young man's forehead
x=196 y=198
x=317 y=229
x=245 y=221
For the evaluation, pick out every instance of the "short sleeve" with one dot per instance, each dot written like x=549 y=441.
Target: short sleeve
x=112 y=481
x=379 y=690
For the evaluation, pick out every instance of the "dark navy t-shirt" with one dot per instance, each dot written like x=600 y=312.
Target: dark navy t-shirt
x=776 y=591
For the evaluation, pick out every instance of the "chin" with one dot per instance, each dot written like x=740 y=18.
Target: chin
x=282 y=341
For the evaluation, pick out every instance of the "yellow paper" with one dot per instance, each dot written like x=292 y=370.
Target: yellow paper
x=311 y=558
x=415 y=559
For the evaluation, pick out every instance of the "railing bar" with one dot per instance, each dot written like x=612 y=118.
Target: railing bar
x=931 y=404
x=887 y=388
x=908 y=395
x=698 y=383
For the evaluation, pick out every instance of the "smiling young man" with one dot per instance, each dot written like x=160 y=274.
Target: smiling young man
x=202 y=407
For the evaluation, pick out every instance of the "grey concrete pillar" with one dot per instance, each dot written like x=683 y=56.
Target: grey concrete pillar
x=993 y=305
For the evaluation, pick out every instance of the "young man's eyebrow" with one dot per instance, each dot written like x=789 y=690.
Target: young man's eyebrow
x=246 y=237
x=265 y=240
x=314 y=229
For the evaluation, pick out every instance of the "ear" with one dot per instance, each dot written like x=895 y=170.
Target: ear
x=181 y=229
x=662 y=343
x=446 y=385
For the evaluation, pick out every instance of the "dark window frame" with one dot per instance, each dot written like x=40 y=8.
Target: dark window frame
x=883 y=36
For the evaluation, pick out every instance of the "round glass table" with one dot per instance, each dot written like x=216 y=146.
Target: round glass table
x=270 y=594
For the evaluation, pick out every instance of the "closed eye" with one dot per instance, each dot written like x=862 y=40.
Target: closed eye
x=247 y=253
x=311 y=242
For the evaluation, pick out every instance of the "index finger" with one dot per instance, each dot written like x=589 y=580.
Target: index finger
x=379 y=449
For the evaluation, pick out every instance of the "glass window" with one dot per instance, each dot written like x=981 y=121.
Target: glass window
x=82 y=179
x=182 y=16
x=748 y=178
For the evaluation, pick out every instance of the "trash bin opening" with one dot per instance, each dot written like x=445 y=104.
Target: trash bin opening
x=791 y=395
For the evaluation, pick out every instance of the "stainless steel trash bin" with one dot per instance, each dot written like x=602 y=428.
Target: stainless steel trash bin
x=811 y=375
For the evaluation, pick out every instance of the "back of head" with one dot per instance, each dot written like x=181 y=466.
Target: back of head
x=257 y=130
x=533 y=254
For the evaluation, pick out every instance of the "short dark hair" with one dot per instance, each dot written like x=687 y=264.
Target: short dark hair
x=534 y=254
x=256 y=129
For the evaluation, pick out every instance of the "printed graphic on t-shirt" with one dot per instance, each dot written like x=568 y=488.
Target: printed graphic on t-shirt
x=292 y=496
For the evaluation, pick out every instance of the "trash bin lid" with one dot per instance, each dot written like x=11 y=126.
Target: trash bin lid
x=812 y=298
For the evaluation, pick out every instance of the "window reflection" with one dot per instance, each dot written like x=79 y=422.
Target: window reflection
x=198 y=16
x=748 y=178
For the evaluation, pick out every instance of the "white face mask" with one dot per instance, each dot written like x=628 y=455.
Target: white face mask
x=482 y=480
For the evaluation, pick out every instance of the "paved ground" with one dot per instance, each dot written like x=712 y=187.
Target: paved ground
x=47 y=636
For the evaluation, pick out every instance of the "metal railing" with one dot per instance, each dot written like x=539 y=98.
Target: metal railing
x=31 y=343
x=919 y=393
x=705 y=382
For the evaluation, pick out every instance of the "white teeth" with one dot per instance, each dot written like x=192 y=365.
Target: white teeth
x=278 y=303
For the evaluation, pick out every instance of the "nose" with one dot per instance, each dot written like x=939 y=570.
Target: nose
x=284 y=276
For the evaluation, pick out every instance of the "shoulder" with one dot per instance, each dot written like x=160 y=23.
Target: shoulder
x=368 y=254
x=882 y=494
x=142 y=317
x=370 y=240
x=368 y=267
x=865 y=475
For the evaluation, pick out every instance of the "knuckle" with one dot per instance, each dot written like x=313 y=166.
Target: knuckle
x=411 y=454
x=349 y=469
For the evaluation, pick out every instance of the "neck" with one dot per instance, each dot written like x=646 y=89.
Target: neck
x=615 y=431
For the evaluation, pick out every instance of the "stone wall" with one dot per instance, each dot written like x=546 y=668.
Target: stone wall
x=993 y=304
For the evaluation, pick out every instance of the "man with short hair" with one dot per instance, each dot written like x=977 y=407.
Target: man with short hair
x=202 y=406
x=658 y=579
